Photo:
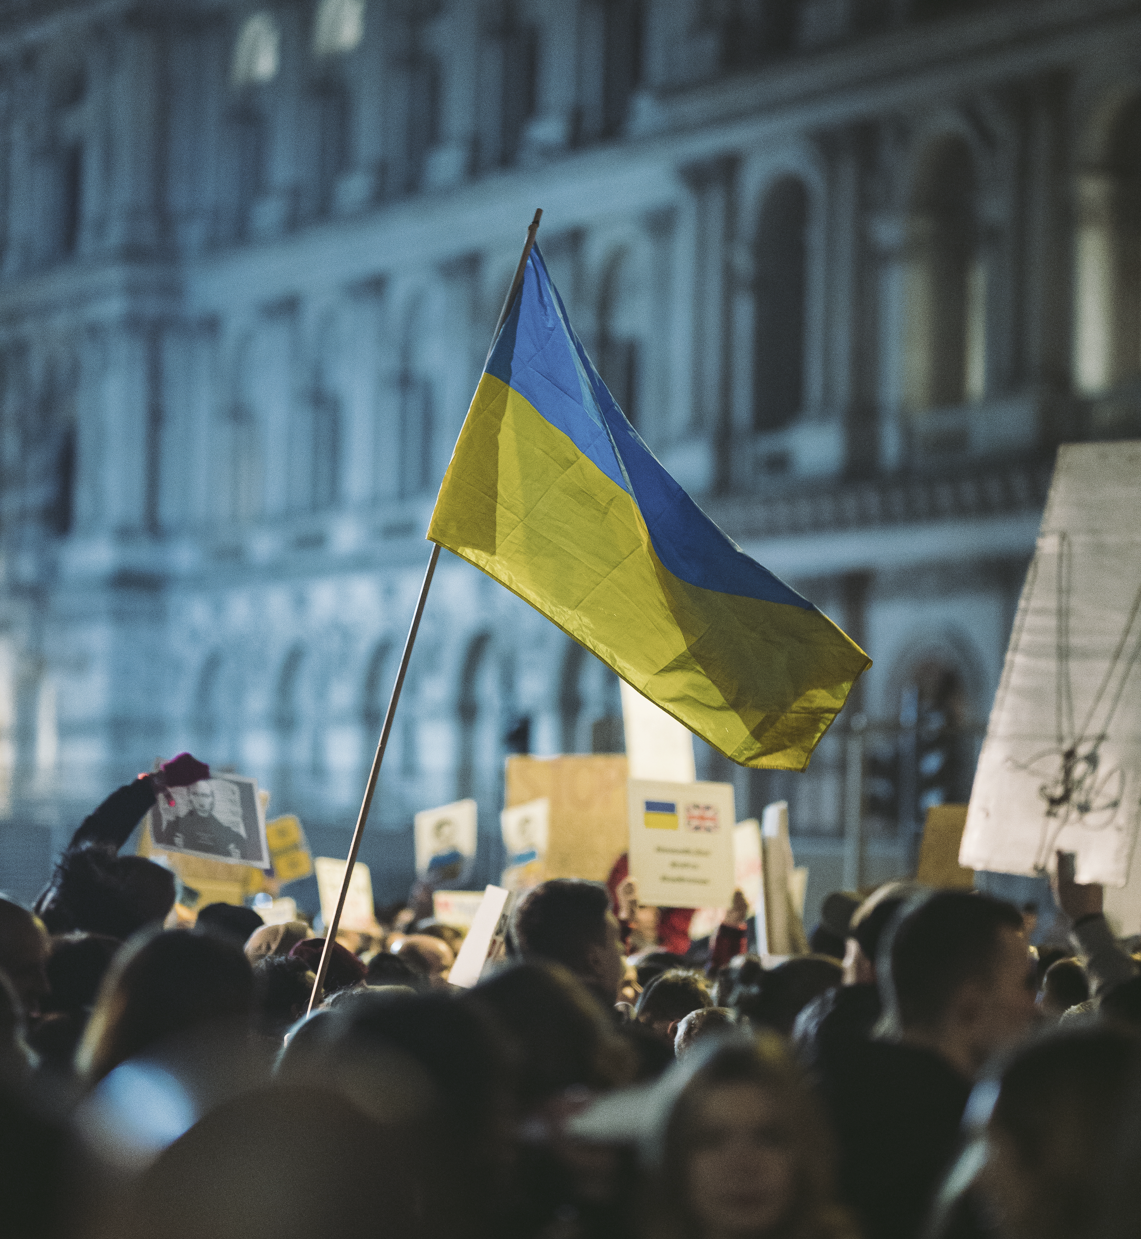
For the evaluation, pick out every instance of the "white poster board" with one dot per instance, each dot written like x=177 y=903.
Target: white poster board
x=657 y=745
x=445 y=841
x=456 y=907
x=487 y=927
x=526 y=831
x=783 y=928
x=358 y=913
x=681 y=843
x=1060 y=768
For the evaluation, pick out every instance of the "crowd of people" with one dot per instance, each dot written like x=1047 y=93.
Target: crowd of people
x=924 y=1073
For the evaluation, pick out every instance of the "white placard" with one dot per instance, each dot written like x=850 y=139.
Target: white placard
x=657 y=745
x=456 y=907
x=358 y=913
x=487 y=925
x=445 y=840
x=681 y=842
x=1060 y=768
x=219 y=818
x=783 y=929
x=526 y=831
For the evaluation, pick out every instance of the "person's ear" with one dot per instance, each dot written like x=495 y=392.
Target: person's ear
x=671 y=1029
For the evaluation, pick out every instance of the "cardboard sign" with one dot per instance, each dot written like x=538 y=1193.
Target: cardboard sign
x=359 y=913
x=288 y=849
x=939 y=851
x=748 y=866
x=210 y=880
x=526 y=830
x=456 y=907
x=220 y=818
x=681 y=842
x=1060 y=768
x=277 y=911
x=445 y=840
x=488 y=926
x=783 y=930
x=587 y=829
x=657 y=745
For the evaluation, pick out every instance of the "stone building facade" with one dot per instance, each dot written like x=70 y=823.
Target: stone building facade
x=853 y=268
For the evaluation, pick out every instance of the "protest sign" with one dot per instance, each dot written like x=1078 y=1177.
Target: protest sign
x=939 y=851
x=681 y=842
x=204 y=880
x=1060 y=768
x=488 y=928
x=359 y=913
x=587 y=829
x=276 y=911
x=657 y=745
x=783 y=929
x=748 y=866
x=456 y=907
x=288 y=849
x=445 y=841
x=526 y=829
x=220 y=818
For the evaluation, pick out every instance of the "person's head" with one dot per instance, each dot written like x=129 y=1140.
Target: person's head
x=343 y=970
x=651 y=964
x=201 y=797
x=560 y=1036
x=428 y=955
x=670 y=997
x=387 y=969
x=1054 y=1127
x=1122 y=1004
x=745 y=1151
x=229 y=921
x=76 y=968
x=569 y=921
x=24 y=950
x=282 y=987
x=95 y=890
x=160 y=987
x=698 y=1026
x=785 y=991
x=451 y=934
x=960 y=978
x=866 y=931
x=742 y=971
x=1065 y=985
x=275 y=939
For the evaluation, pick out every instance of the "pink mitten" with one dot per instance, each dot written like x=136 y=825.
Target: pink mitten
x=183 y=770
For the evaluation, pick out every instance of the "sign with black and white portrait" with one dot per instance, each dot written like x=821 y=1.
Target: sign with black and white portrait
x=220 y=818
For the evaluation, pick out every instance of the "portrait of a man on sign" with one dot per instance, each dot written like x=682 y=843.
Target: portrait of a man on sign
x=445 y=840
x=219 y=818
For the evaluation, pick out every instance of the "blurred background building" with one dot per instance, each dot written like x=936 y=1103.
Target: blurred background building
x=852 y=267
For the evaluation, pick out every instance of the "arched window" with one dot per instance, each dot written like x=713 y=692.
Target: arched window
x=206 y=705
x=945 y=314
x=67 y=210
x=479 y=713
x=1107 y=342
x=244 y=156
x=508 y=85
x=781 y=282
x=257 y=51
x=243 y=466
x=332 y=125
x=619 y=347
x=339 y=26
x=590 y=705
x=377 y=687
x=287 y=723
x=622 y=61
x=753 y=31
x=417 y=408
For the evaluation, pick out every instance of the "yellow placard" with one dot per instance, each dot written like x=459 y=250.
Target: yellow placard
x=939 y=852
x=292 y=865
x=284 y=833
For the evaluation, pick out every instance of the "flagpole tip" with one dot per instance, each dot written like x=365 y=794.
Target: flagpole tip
x=538 y=216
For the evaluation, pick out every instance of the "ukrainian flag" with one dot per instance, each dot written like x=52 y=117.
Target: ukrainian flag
x=551 y=492
x=660 y=815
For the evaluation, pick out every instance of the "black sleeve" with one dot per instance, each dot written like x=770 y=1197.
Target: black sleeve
x=112 y=822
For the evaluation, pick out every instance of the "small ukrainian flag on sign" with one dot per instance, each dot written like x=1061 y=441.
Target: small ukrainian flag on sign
x=660 y=814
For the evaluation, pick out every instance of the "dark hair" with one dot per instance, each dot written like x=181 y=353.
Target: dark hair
x=403 y=969
x=653 y=963
x=1065 y=984
x=560 y=920
x=740 y=971
x=96 y=890
x=786 y=990
x=160 y=986
x=823 y=941
x=228 y=920
x=1061 y=1102
x=941 y=940
x=762 y=1061
x=282 y=986
x=672 y=995
x=75 y=970
x=560 y=1035
x=1122 y=1004
x=870 y=921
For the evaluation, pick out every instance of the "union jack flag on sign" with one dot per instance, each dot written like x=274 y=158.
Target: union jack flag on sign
x=701 y=818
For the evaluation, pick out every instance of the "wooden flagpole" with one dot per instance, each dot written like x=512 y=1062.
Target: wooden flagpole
x=414 y=627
